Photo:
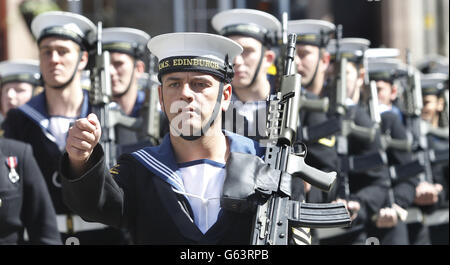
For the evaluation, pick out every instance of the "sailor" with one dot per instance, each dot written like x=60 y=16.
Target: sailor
x=19 y=80
x=388 y=72
x=63 y=40
x=432 y=194
x=313 y=61
x=389 y=225
x=128 y=57
x=170 y=194
x=25 y=203
x=312 y=58
x=257 y=32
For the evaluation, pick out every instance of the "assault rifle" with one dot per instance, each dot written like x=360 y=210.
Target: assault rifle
x=150 y=113
x=310 y=133
x=402 y=172
x=445 y=114
x=100 y=97
x=339 y=109
x=277 y=212
x=397 y=173
x=412 y=109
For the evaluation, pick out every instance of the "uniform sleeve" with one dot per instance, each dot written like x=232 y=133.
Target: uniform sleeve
x=440 y=171
x=370 y=186
x=404 y=193
x=321 y=154
x=359 y=147
x=392 y=126
x=372 y=197
x=96 y=195
x=38 y=214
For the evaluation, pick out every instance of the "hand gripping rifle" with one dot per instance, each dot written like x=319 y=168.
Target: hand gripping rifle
x=412 y=109
x=100 y=97
x=277 y=212
x=338 y=108
x=397 y=173
x=413 y=104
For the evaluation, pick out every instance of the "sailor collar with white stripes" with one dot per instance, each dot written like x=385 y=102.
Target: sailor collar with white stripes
x=160 y=160
x=36 y=110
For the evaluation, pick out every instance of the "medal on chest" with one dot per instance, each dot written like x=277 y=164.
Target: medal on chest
x=11 y=161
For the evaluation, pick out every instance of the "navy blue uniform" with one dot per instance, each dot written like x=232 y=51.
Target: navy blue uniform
x=419 y=233
x=369 y=188
x=30 y=123
x=439 y=233
x=319 y=155
x=139 y=195
x=25 y=203
x=404 y=191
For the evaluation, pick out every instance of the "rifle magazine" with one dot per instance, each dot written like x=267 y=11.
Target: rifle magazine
x=318 y=215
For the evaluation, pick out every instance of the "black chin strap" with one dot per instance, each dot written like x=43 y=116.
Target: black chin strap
x=119 y=95
x=212 y=119
x=263 y=50
x=315 y=71
x=217 y=107
x=73 y=74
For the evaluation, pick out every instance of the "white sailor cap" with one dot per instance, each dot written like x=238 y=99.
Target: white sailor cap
x=195 y=52
x=382 y=53
x=386 y=69
x=125 y=40
x=433 y=84
x=65 y=25
x=434 y=64
x=351 y=48
x=20 y=71
x=312 y=31
x=248 y=22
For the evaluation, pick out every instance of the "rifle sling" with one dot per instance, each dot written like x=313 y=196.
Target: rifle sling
x=322 y=130
x=438 y=156
x=361 y=163
x=403 y=172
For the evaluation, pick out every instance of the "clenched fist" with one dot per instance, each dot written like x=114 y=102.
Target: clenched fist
x=427 y=193
x=353 y=207
x=387 y=217
x=83 y=136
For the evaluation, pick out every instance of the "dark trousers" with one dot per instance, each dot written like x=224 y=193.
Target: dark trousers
x=397 y=235
x=439 y=234
x=419 y=234
x=354 y=236
x=107 y=236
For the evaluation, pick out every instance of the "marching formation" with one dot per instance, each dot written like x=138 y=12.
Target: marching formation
x=267 y=132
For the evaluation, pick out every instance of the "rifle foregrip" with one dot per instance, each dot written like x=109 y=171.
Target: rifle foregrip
x=402 y=145
x=439 y=132
x=363 y=132
x=319 y=105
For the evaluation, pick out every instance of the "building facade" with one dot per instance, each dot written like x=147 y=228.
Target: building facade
x=419 y=25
